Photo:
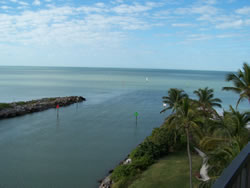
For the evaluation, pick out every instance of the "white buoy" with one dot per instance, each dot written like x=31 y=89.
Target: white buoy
x=164 y=104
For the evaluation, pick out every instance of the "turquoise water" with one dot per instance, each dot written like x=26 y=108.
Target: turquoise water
x=92 y=137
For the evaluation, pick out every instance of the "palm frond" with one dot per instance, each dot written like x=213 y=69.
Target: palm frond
x=235 y=89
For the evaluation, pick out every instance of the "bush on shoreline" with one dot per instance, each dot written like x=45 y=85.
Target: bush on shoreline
x=144 y=155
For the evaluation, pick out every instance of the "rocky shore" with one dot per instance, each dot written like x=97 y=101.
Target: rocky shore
x=8 y=110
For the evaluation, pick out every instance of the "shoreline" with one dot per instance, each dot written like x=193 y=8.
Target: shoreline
x=106 y=182
x=14 y=109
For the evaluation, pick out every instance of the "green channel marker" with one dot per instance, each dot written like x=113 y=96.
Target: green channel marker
x=136 y=114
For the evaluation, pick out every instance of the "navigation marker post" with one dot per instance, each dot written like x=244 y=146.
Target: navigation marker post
x=136 y=114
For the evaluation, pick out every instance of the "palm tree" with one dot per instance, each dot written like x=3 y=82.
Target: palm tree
x=206 y=98
x=226 y=141
x=236 y=123
x=173 y=99
x=241 y=82
x=185 y=119
x=207 y=101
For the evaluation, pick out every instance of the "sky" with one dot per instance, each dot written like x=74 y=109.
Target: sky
x=163 y=34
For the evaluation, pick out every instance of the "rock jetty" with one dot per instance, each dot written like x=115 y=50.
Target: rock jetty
x=8 y=110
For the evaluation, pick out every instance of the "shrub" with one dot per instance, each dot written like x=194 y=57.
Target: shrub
x=123 y=171
x=4 y=105
x=153 y=147
x=160 y=138
x=142 y=163
x=146 y=148
x=21 y=103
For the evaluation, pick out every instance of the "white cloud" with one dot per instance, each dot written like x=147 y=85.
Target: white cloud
x=5 y=7
x=205 y=9
x=197 y=37
x=70 y=25
x=244 y=10
x=209 y=2
x=222 y=36
x=36 y=2
x=182 y=24
x=135 y=8
x=234 y=24
x=247 y=22
x=100 y=4
x=100 y=22
x=19 y=2
x=163 y=14
x=23 y=3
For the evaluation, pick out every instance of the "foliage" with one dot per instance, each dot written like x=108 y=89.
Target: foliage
x=208 y=183
x=162 y=139
x=223 y=144
x=153 y=147
x=185 y=118
x=4 y=105
x=241 y=82
x=173 y=99
x=207 y=101
x=21 y=103
x=169 y=172
x=123 y=171
x=143 y=162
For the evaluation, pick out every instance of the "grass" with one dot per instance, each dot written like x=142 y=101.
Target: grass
x=21 y=103
x=4 y=105
x=169 y=172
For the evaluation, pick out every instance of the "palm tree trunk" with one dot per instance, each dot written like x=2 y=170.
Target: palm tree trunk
x=189 y=158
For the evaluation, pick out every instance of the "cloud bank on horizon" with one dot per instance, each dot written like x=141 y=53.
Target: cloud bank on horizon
x=198 y=34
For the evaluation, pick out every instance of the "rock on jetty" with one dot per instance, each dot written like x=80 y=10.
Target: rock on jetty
x=8 y=110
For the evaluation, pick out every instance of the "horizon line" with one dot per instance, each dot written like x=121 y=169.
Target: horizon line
x=116 y=68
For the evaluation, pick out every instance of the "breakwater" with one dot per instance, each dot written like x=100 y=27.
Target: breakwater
x=9 y=110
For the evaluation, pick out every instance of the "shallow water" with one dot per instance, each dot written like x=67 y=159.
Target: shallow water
x=90 y=138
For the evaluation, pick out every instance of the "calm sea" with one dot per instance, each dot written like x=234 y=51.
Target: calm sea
x=37 y=151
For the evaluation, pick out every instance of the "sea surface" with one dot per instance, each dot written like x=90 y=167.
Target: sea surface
x=90 y=138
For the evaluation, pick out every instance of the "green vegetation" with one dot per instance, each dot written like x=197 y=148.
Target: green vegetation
x=173 y=99
x=168 y=172
x=184 y=119
x=4 y=105
x=206 y=100
x=21 y=103
x=192 y=123
x=241 y=82
x=144 y=155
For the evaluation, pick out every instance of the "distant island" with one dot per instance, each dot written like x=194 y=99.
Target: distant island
x=9 y=110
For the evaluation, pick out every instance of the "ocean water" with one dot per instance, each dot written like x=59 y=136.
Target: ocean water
x=92 y=137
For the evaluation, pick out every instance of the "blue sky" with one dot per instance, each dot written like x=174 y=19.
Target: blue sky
x=168 y=34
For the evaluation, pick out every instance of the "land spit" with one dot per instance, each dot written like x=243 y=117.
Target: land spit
x=8 y=110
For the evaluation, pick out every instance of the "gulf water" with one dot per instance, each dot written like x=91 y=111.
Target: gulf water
x=90 y=138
